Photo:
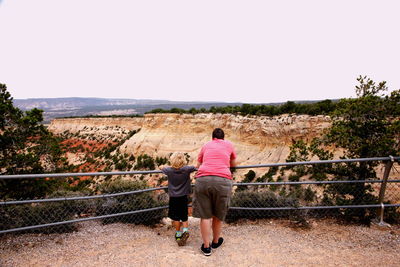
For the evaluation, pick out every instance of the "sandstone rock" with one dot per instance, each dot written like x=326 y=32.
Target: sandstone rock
x=257 y=139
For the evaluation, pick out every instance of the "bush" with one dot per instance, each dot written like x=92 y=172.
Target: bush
x=161 y=161
x=127 y=203
x=16 y=216
x=145 y=162
x=248 y=178
x=266 y=199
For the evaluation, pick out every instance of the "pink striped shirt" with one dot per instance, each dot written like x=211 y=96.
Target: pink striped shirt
x=215 y=157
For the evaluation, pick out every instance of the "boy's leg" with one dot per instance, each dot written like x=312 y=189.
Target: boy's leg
x=178 y=233
x=177 y=225
x=185 y=225
x=184 y=213
x=185 y=234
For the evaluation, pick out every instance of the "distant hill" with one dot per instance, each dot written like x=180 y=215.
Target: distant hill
x=80 y=102
x=80 y=106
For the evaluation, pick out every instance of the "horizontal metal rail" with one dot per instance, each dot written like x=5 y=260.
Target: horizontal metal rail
x=80 y=198
x=16 y=202
x=317 y=207
x=320 y=182
x=61 y=175
x=319 y=162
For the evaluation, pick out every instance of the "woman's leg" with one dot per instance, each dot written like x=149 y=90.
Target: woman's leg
x=216 y=228
x=205 y=229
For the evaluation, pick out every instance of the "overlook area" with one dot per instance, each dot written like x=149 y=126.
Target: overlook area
x=248 y=243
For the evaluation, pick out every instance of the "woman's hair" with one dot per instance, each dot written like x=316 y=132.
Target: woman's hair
x=218 y=133
x=177 y=160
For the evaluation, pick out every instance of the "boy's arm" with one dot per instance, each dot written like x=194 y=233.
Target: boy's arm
x=163 y=168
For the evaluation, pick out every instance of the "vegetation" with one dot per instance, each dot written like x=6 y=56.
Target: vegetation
x=16 y=216
x=26 y=147
x=128 y=203
x=106 y=116
x=367 y=126
x=248 y=178
x=264 y=199
x=324 y=107
x=145 y=162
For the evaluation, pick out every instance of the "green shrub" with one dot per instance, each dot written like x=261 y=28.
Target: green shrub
x=161 y=161
x=266 y=199
x=145 y=162
x=248 y=178
x=127 y=203
x=309 y=194
x=16 y=216
x=121 y=165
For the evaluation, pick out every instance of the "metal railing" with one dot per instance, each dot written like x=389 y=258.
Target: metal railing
x=148 y=205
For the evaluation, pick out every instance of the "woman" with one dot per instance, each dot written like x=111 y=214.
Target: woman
x=213 y=188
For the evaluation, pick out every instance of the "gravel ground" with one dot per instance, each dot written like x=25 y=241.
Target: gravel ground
x=248 y=243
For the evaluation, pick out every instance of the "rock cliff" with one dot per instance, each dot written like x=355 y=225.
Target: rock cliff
x=257 y=139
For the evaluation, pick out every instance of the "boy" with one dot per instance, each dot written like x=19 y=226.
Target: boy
x=179 y=187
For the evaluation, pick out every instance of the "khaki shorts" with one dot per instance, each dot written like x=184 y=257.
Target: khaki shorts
x=212 y=195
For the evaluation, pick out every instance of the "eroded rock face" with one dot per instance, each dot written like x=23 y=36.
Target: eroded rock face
x=101 y=128
x=257 y=139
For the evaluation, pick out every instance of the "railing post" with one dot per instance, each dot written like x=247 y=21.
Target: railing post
x=388 y=167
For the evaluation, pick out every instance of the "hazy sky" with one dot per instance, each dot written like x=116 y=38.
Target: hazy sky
x=245 y=51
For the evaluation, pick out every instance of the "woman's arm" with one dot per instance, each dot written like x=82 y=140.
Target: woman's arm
x=233 y=163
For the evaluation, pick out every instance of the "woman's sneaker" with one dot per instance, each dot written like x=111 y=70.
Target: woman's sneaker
x=183 y=238
x=206 y=251
x=218 y=244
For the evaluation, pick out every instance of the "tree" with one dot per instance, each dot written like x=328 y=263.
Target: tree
x=366 y=126
x=25 y=147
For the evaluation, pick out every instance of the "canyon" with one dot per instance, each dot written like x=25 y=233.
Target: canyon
x=257 y=139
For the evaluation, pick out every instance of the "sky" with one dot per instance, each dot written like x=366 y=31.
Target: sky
x=230 y=51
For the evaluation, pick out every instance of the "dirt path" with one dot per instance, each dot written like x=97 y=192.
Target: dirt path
x=261 y=243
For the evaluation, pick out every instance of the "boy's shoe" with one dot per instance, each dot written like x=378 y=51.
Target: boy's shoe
x=183 y=238
x=218 y=244
x=206 y=251
x=178 y=238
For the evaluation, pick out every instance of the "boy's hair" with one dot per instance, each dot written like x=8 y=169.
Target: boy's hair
x=218 y=133
x=177 y=160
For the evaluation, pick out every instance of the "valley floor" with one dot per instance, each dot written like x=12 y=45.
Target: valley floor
x=259 y=243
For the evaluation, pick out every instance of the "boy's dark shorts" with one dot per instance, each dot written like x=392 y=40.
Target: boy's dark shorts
x=212 y=195
x=178 y=208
